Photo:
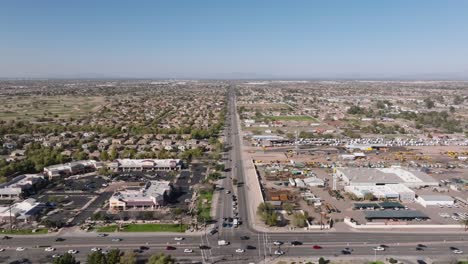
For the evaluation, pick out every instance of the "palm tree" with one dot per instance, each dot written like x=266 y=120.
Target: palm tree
x=464 y=222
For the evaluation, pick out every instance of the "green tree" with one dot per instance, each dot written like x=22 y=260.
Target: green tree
x=429 y=103
x=113 y=257
x=104 y=156
x=322 y=261
x=96 y=258
x=161 y=259
x=300 y=219
x=369 y=196
x=128 y=258
x=65 y=259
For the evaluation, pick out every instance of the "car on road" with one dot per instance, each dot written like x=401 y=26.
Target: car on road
x=170 y=248
x=296 y=243
x=204 y=247
x=457 y=251
x=379 y=248
x=178 y=238
x=277 y=243
x=116 y=239
x=317 y=247
x=105 y=252
x=279 y=252
x=95 y=249
x=6 y=237
x=49 y=249
x=102 y=235
x=240 y=250
x=2 y=249
x=250 y=247
x=228 y=192
x=72 y=251
x=188 y=250
x=20 y=249
x=244 y=238
x=59 y=239
x=56 y=256
x=345 y=252
x=422 y=245
x=419 y=249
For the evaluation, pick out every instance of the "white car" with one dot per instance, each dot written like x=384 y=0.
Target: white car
x=279 y=252
x=457 y=251
x=116 y=239
x=188 y=250
x=49 y=249
x=20 y=249
x=56 y=256
x=240 y=250
x=277 y=243
x=2 y=249
x=72 y=251
x=94 y=249
x=178 y=238
x=379 y=248
x=228 y=192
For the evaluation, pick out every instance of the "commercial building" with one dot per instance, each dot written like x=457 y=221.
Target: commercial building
x=388 y=191
x=71 y=168
x=434 y=200
x=20 y=186
x=395 y=215
x=384 y=176
x=25 y=211
x=145 y=164
x=153 y=195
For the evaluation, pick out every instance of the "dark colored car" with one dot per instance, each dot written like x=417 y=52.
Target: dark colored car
x=317 y=247
x=144 y=248
x=251 y=247
x=244 y=238
x=296 y=243
x=170 y=248
x=419 y=249
x=6 y=237
x=345 y=252
x=203 y=247
x=59 y=239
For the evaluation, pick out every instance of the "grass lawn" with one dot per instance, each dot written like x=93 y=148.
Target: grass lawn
x=155 y=228
x=39 y=231
x=109 y=228
x=145 y=228
x=291 y=118
x=204 y=209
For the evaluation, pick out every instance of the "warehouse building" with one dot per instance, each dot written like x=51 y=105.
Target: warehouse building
x=384 y=176
x=435 y=200
x=388 y=191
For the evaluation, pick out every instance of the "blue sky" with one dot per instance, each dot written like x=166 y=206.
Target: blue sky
x=234 y=39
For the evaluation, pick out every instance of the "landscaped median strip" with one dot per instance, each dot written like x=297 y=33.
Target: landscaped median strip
x=145 y=228
x=39 y=231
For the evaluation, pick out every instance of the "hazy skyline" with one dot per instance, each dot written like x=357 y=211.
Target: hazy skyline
x=239 y=39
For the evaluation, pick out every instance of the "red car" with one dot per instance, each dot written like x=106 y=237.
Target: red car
x=170 y=248
x=317 y=247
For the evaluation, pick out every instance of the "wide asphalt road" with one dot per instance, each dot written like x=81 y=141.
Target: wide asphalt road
x=257 y=245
